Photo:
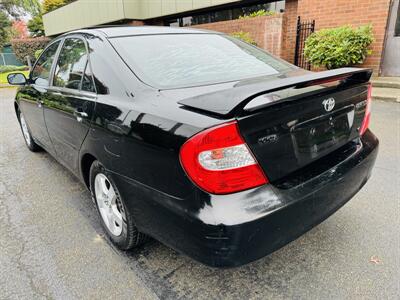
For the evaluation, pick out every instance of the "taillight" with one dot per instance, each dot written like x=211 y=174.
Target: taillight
x=367 y=116
x=219 y=161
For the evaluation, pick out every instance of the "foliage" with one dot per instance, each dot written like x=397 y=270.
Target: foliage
x=27 y=47
x=20 y=29
x=244 y=36
x=4 y=29
x=38 y=52
x=35 y=26
x=50 y=5
x=3 y=76
x=339 y=47
x=259 y=13
x=10 y=68
x=19 y=8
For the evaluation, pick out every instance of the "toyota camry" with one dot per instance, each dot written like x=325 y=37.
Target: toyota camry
x=210 y=145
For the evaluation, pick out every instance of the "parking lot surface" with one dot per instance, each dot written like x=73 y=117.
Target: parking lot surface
x=52 y=245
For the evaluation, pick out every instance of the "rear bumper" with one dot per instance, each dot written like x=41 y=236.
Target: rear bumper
x=232 y=230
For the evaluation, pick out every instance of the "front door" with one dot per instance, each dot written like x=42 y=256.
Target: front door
x=391 y=59
x=69 y=102
x=31 y=96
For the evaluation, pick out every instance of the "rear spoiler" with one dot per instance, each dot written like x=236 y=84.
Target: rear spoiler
x=229 y=102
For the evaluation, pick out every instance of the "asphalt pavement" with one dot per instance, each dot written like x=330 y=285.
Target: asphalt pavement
x=52 y=245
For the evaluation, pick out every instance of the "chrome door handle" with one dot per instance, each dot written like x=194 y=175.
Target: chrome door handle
x=80 y=115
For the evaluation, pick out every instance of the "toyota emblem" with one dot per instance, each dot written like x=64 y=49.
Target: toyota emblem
x=329 y=104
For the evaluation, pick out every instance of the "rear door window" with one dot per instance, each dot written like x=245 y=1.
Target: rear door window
x=87 y=80
x=71 y=64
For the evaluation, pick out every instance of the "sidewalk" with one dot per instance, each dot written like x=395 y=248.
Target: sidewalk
x=386 y=88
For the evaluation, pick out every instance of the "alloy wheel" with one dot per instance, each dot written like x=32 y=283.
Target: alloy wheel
x=109 y=204
x=25 y=130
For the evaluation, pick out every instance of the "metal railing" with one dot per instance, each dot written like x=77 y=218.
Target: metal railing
x=304 y=30
x=8 y=59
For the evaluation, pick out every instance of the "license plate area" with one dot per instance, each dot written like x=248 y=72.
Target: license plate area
x=319 y=136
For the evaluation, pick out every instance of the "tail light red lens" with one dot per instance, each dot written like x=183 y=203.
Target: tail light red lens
x=367 y=116
x=219 y=161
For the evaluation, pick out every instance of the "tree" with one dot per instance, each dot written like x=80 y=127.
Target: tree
x=35 y=26
x=50 y=5
x=18 y=8
x=20 y=29
x=4 y=29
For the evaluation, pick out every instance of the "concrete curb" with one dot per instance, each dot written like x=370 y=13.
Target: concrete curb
x=386 y=84
x=7 y=86
x=386 y=99
x=386 y=94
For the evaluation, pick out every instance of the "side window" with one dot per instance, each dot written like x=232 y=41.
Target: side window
x=87 y=81
x=71 y=64
x=41 y=72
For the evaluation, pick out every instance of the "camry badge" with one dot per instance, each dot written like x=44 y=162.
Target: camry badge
x=329 y=104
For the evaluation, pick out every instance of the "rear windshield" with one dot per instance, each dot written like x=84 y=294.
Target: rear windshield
x=182 y=60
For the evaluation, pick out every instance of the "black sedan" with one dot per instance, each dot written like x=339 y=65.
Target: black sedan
x=210 y=145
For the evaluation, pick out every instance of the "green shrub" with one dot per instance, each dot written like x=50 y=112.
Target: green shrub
x=10 y=68
x=27 y=47
x=38 y=52
x=259 y=13
x=338 y=47
x=244 y=36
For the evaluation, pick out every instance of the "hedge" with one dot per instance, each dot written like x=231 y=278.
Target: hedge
x=339 y=47
x=259 y=13
x=10 y=68
x=244 y=36
x=27 y=47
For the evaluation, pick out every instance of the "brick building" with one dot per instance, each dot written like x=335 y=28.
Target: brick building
x=276 y=33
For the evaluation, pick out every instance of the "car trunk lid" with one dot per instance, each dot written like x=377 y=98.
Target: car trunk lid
x=286 y=137
x=293 y=122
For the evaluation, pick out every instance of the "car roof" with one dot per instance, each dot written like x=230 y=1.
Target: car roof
x=115 y=31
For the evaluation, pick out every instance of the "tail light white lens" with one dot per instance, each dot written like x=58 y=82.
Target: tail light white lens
x=226 y=158
x=219 y=161
x=367 y=116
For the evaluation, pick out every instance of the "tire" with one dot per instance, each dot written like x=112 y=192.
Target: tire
x=121 y=228
x=26 y=133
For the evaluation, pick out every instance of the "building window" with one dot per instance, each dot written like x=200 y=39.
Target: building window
x=224 y=14
x=397 y=25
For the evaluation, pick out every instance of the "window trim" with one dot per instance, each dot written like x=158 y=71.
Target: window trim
x=59 y=88
x=88 y=65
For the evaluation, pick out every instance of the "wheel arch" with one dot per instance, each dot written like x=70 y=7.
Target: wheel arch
x=86 y=162
x=16 y=107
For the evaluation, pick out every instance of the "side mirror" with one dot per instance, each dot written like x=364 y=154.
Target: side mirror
x=16 y=79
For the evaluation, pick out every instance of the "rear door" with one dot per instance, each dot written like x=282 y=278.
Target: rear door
x=31 y=96
x=70 y=100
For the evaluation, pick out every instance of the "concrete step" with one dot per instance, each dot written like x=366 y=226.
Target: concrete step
x=386 y=82
x=386 y=94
